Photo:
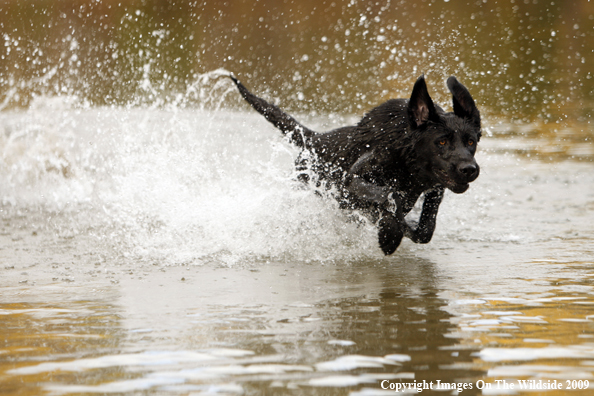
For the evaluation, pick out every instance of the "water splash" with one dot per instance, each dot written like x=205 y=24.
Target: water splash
x=173 y=184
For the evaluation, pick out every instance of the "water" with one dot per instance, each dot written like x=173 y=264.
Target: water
x=154 y=240
x=171 y=251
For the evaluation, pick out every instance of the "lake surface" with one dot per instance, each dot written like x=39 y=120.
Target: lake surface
x=172 y=252
x=154 y=240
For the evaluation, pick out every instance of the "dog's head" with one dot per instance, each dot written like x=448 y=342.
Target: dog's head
x=446 y=142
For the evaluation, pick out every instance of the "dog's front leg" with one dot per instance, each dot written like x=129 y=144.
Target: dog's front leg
x=392 y=224
x=390 y=233
x=357 y=188
x=422 y=231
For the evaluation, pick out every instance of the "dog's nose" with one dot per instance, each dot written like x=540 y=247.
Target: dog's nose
x=470 y=171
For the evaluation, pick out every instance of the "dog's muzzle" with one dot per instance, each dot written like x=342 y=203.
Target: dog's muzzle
x=458 y=178
x=469 y=171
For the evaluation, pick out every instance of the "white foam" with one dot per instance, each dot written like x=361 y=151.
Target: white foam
x=351 y=362
x=522 y=354
x=398 y=357
x=351 y=380
x=341 y=342
x=341 y=380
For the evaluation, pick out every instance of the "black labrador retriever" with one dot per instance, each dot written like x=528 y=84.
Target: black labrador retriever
x=400 y=150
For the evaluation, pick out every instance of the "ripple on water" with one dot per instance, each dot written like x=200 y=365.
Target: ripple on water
x=200 y=371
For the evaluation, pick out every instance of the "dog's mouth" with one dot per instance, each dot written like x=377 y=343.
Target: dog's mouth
x=451 y=184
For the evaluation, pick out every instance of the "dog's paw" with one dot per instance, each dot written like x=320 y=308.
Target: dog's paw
x=390 y=234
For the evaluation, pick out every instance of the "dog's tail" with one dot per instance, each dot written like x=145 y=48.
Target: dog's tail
x=297 y=133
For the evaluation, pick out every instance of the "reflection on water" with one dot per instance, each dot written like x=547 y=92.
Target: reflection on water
x=397 y=329
x=329 y=330
x=59 y=329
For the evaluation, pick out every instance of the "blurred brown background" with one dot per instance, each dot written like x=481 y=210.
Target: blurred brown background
x=523 y=60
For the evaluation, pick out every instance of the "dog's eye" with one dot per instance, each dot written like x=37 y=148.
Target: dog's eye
x=442 y=142
x=471 y=142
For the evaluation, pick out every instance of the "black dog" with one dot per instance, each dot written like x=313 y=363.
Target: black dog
x=398 y=151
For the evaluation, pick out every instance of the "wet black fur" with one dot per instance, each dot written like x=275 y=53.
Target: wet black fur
x=399 y=151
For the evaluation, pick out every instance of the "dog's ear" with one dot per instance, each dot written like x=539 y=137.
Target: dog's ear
x=420 y=106
x=464 y=106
